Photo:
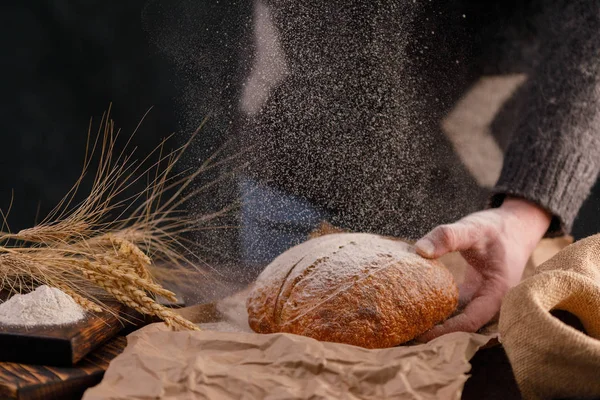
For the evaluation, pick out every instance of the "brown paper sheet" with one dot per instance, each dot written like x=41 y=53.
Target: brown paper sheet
x=228 y=361
x=160 y=364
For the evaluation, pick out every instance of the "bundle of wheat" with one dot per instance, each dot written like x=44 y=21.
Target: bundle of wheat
x=91 y=255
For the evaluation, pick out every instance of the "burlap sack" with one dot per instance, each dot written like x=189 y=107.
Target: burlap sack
x=550 y=358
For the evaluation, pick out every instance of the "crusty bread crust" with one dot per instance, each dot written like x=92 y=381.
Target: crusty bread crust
x=360 y=289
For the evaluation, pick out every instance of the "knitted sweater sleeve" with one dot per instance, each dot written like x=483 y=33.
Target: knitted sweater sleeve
x=554 y=156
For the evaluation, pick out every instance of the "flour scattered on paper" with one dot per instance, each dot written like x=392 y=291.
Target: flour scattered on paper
x=221 y=326
x=43 y=306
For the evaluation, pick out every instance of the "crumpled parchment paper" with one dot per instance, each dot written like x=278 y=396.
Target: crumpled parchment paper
x=161 y=364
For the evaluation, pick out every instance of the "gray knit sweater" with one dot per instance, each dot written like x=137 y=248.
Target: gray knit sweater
x=354 y=95
x=554 y=155
x=367 y=108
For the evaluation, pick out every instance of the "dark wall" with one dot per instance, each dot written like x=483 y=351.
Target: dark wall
x=64 y=62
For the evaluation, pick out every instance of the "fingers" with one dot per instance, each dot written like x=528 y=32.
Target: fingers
x=446 y=239
x=478 y=313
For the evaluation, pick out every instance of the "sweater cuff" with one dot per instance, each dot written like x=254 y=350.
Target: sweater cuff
x=556 y=179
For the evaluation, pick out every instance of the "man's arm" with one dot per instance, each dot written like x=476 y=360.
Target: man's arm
x=549 y=167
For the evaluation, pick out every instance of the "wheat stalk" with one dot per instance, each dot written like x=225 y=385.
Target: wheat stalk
x=89 y=255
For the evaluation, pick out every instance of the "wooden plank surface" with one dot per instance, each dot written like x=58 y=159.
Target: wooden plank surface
x=33 y=382
x=61 y=346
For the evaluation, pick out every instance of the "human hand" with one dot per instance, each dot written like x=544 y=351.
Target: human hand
x=497 y=243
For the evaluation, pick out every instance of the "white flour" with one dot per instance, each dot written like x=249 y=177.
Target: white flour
x=43 y=306
x=338 y=256
x=223 y=326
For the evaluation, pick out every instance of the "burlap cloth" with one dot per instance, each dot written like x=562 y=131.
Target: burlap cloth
x=550 y=358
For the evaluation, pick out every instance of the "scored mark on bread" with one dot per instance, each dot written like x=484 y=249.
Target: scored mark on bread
x=276 y=308
x=285 y=294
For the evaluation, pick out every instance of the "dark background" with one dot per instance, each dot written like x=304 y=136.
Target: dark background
x=64 y=62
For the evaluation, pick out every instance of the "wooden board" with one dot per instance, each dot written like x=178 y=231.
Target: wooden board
x=60 y=346
x=32 y=382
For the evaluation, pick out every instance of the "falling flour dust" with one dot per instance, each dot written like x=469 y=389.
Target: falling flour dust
x=43 y=306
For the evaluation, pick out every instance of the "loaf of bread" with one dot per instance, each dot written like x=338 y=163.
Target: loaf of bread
x=355 y=288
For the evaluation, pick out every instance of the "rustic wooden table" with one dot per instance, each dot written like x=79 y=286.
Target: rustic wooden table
x=35 y=382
